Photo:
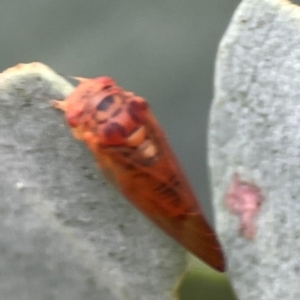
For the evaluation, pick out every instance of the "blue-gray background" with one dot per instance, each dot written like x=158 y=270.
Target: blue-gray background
x=163 y=50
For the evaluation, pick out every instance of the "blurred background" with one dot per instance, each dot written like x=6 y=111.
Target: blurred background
x=164 y=50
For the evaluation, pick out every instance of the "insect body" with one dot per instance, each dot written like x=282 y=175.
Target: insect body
x=131 y=150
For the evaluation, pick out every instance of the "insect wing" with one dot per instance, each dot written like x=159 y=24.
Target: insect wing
x=162 y=193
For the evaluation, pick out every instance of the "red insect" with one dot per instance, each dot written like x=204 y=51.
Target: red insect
x=132 y=151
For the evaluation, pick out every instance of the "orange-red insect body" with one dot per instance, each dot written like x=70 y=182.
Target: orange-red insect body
x=132 y=151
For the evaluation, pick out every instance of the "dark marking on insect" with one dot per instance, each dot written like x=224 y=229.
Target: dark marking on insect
x=105 y=103
x=114 y=130
x=171 y=183
x=130 y=167
x=117 y=112
x=134 y=109
x=101 y=121
x=167 y=191
x=107 y=87
x=174 y=181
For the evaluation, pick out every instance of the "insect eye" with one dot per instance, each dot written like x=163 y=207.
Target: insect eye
x=114 y=133
x=105 y=103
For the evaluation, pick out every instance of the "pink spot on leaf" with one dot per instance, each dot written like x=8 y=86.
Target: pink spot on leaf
x=244 y=200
